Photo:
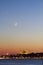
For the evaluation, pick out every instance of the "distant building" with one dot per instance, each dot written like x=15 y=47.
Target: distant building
x=23 y=52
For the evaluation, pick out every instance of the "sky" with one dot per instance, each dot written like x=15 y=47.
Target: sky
x=21 y=26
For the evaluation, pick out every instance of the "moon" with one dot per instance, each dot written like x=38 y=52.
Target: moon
x=15 y=24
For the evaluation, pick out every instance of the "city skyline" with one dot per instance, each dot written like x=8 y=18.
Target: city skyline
x=21 y=26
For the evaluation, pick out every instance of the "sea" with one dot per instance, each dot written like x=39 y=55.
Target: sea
x=21 y=61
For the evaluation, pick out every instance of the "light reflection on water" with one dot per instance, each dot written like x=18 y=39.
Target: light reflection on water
x=21 y=62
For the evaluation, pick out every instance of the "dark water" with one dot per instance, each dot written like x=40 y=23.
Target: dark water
x=21 y=62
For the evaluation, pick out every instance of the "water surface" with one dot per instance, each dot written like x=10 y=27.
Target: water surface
x=21 y=61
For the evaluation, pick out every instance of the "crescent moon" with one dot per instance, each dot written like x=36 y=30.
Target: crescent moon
x=15 y=24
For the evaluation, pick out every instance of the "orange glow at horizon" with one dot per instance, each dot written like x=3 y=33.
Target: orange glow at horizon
x=13 y=47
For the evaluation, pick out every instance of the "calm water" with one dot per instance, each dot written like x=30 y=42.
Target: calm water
x=22 y=62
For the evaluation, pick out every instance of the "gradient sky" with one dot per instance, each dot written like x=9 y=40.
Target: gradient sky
x=21 y=26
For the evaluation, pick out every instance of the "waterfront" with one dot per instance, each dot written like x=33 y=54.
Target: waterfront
x=21 y=62
x=22 y=56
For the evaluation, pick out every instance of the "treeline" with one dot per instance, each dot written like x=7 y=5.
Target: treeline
x=31 y=55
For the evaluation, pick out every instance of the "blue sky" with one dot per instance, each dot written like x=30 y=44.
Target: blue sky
x=30 y=11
